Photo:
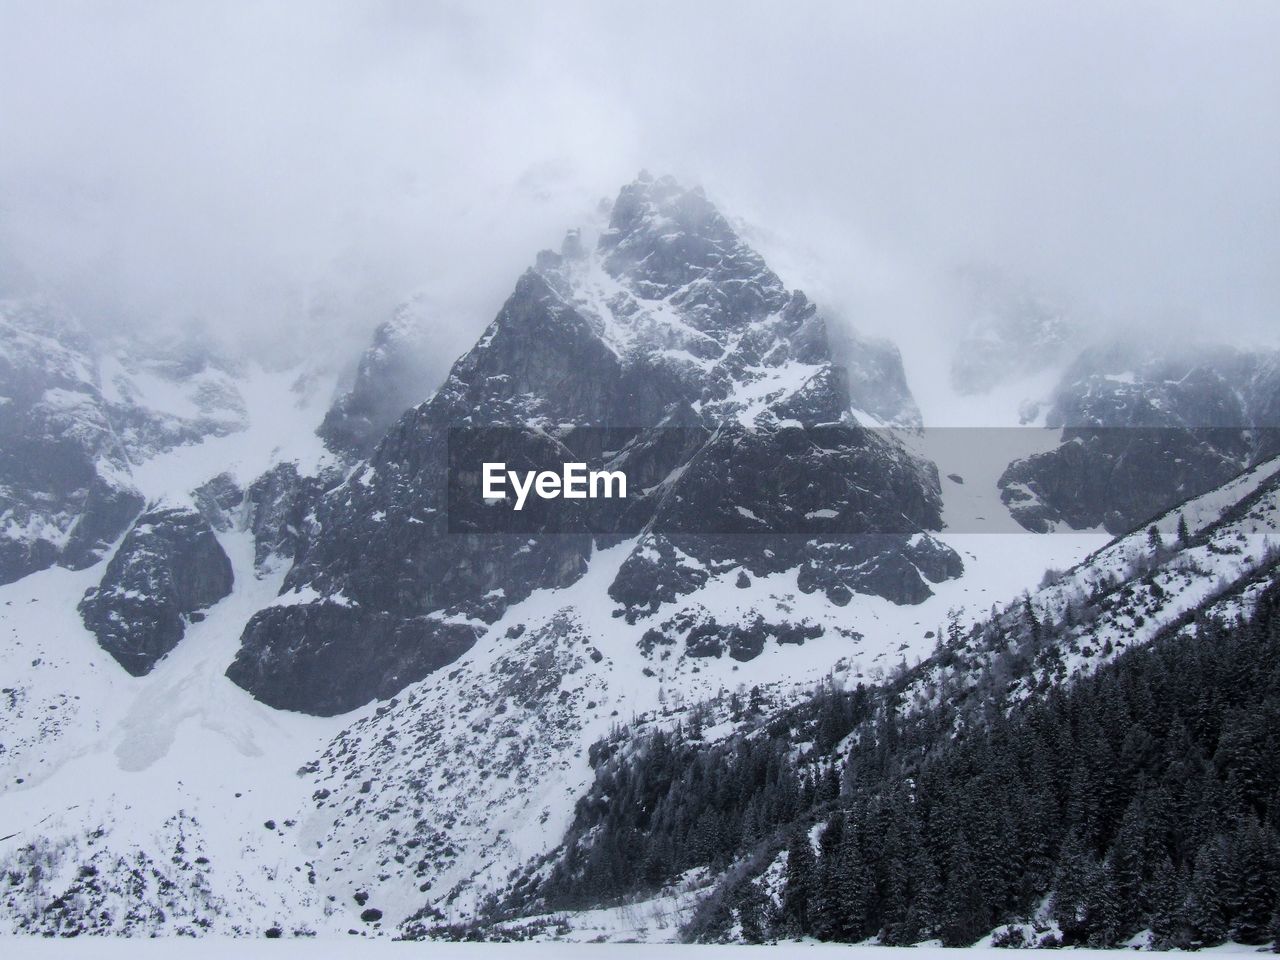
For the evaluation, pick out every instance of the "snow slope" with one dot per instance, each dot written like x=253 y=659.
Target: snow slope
x=167 y=778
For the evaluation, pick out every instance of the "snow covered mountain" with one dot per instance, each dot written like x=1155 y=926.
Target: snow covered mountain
x=668 y=324
x=263 y=675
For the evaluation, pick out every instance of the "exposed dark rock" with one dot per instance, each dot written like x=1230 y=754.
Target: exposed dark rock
x=397 y=371
x=841 y=568
x=279 y=502
x=1118 y=478
x=218 y=500
x=106 y=511
x=836 y=499
x=654 y=575
x=694 y=257
x=745 y=641
x=169 y=566
x=934 y=560
x=353 y=655
x=876 y=381
x=1143 y=430
x=69 y=434
x=65 y=495
x=704 y=640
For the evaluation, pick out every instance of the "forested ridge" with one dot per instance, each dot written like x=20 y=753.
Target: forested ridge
x=1142 y=796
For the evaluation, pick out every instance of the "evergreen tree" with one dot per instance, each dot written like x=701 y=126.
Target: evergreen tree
x=1077 y=879
x=1167 y=895
x=798 y=887
x=1205 y=903
x=1251 y=883
x=826 y=914
x=753 y=913
x=963 y=916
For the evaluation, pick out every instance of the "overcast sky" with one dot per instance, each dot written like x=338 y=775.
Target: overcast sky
x=253 y=164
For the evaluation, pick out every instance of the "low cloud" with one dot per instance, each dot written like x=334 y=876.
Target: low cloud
x=279 y=169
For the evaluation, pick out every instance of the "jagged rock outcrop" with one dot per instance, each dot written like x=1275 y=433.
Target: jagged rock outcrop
x=394 y=374
x=667 y=349
x=874 y=377
x=219 y=500
x=404 y=650
x=168 y=569
x=277 y=506
x=394 y=590
x=1144 y=429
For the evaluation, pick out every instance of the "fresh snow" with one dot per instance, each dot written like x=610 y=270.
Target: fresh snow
x=97 y=749
x=96 y=764
x=282 y=411
x=325 y=948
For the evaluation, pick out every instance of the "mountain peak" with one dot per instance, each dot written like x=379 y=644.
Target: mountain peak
x=663 y=237
x=668 y=314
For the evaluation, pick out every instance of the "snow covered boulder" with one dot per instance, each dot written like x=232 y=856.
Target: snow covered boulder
x=169 y=567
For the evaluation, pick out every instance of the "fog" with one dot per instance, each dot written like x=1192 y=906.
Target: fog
x=287 y=172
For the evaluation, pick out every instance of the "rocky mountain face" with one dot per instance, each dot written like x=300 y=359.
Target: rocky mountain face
x=877 y=385
x=276 y=507
x=1142 y=429
x=667 y=322
x=77 y=416
x=168 y=570
x=393 y=375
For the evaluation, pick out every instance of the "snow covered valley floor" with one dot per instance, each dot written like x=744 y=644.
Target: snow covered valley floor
x=326 y=948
